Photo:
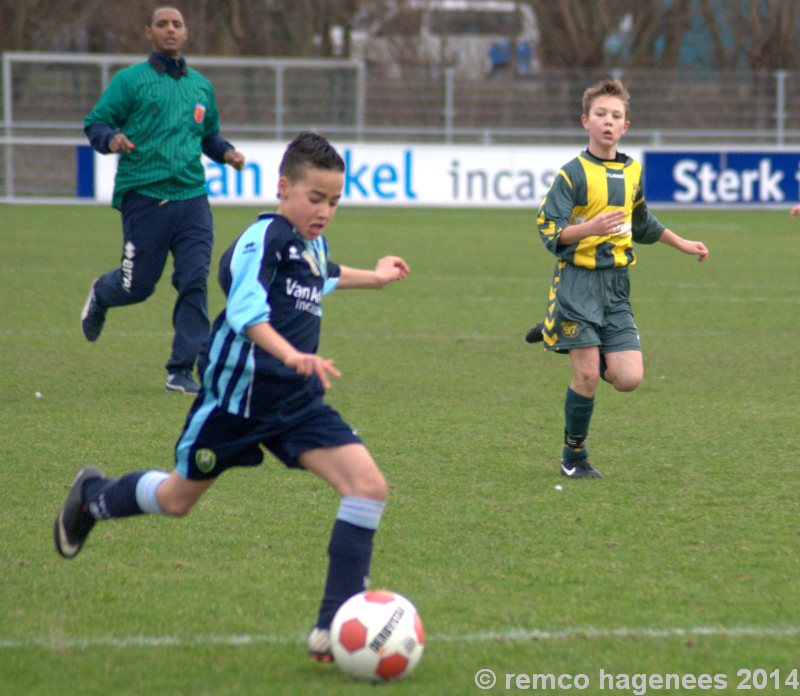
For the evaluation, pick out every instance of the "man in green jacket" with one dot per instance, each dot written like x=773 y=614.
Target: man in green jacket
x=159 y=116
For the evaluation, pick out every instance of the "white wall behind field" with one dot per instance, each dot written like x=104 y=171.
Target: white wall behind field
x=503 y=176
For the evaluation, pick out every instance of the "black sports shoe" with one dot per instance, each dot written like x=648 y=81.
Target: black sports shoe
x=535 y=334
x=181 y=381
x=73 y=522
x=93 y=316
x=579 y=469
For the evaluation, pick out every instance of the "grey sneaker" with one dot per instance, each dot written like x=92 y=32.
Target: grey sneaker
x=319 y=645
x=579 y=469
x=73 y=522
x=93 y=316
x=181 y=381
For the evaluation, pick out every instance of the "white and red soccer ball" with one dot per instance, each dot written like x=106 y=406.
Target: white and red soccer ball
x=377 y=635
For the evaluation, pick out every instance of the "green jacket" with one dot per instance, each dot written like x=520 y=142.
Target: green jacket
x=166 y=119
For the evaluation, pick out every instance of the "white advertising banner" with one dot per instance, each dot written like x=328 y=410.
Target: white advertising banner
x=391 y=174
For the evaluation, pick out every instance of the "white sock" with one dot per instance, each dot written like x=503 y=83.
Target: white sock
x=146 y=488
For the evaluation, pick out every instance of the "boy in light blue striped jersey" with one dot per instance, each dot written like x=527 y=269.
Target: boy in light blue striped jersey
x=263 y=385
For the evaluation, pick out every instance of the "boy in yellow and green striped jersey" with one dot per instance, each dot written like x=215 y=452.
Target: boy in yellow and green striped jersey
x=593 y=213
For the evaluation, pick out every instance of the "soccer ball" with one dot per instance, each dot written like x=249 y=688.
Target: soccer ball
x=377 y=635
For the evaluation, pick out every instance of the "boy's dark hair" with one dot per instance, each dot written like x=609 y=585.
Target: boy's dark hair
x=606 y=88
x=309 y=150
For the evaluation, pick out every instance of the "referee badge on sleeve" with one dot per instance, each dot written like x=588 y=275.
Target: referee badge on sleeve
x=199 y=113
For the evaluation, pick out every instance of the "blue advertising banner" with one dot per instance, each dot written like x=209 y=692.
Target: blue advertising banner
x=84 y=178
x=721 y=177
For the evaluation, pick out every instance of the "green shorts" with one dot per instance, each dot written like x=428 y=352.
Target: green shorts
x=590 y=308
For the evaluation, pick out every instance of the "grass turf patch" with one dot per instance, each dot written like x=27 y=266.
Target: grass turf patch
x=682 y=559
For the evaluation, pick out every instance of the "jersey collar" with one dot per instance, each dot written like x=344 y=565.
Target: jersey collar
x=174 y=67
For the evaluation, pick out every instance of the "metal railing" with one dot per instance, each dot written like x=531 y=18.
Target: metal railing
x=45 y=97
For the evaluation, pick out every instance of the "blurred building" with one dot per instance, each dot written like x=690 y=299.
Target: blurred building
x=473 y=37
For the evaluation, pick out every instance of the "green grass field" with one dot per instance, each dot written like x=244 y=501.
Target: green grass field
x=682 y=560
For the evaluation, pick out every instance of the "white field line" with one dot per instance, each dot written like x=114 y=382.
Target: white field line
x=637 y=281
x=56 y=642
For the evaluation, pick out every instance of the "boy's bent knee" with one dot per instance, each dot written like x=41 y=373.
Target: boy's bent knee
x=348 y=469
x=625 y=371
x=176 y=508
x=585 y=381
x=373 y=487
x=627 y=383
x=176 y=496
x=624 y=380
x=139 y=293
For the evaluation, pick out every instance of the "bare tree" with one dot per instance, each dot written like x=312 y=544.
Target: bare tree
x=269 y=27
x=756 y=34
x=336 y=15
x=764 y=34
x=44 y=25
x=227 y=27
x=574 y=32
x=611 y=33
x=652 y=24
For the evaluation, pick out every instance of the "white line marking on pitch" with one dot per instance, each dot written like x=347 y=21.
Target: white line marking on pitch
x=517 y=634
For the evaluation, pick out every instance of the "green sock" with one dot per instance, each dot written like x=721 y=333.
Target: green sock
x=577 y=415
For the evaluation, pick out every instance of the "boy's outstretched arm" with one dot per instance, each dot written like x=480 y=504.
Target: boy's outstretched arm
x=697 y=249
x=388 y=269
x=306 y=364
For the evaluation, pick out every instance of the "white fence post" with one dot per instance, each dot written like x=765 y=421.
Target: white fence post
x=8 y=119
x=780 y=106
x=449 y=105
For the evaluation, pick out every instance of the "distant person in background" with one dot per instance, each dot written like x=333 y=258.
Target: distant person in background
x=795 y=211
x=590 y=218
x=160 y=115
